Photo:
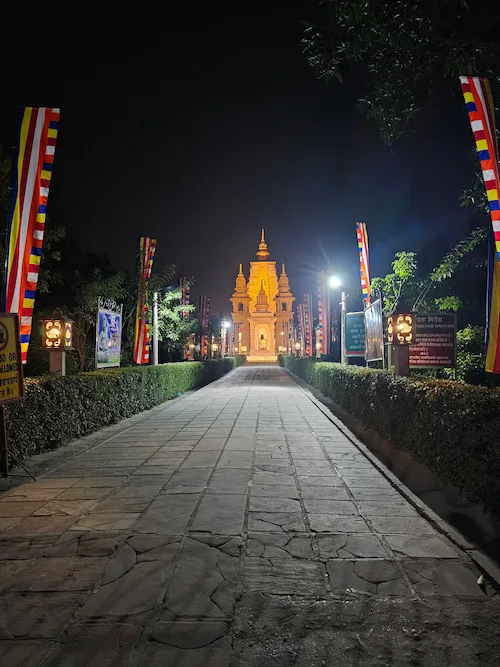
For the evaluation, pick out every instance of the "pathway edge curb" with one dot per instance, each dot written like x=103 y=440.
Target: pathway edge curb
x=483 y=562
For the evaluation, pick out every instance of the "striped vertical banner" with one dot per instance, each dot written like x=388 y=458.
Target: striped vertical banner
x=364 y=266
x=32 y=172
x=204 y=322
x=481 y=110
x=309 y=324
x=237 y=337
x=204 y=311
x=147 y=249
x=185 y=285
x=301 y=327
x=324 y=314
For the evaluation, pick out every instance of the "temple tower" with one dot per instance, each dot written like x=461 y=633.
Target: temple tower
x=262 y=309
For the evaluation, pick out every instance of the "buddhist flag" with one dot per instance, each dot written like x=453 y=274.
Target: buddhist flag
x=204 y=322
x=301 y=328
x=364 y=266
x=185 y=285
x=479 y=103
x=32 y=172
x=324 y=314
x=147 y=249
x=308 y=323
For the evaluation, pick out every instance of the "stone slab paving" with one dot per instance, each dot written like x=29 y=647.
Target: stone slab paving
x=235 y=526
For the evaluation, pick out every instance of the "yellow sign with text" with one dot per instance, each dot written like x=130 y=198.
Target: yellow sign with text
x=11 y=369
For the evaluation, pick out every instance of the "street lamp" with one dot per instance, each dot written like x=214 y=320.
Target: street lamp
x=335 y=282
x=297 y=349
x=401 y=334
x=57 y=337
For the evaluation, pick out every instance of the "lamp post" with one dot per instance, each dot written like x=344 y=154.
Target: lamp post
x=297 y=349
x=225 y=327
x=57 y=337
x=335 y=282
x=401 y=334
x=155 y=328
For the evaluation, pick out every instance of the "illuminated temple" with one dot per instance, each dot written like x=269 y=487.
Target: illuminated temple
x=262 y=310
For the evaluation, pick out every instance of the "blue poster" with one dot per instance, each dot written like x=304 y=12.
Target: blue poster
x=109 y=338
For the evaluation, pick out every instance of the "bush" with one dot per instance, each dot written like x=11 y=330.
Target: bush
x=451 y=427
x=58 y=410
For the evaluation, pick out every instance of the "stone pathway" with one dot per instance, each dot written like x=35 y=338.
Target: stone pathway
x=237 y=526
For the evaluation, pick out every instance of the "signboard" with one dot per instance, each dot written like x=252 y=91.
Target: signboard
x=374 y=332
x=11 y=372
x=354 y=343
x=435 y=341
x=108 y=334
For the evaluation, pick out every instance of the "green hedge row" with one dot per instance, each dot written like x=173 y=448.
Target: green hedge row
x=453 y=428
x=58 y=410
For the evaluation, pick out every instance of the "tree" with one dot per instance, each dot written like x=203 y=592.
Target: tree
x=158 y=282
x=409 y=52
x=173 y=325
x=429 y=291
x=87 y=290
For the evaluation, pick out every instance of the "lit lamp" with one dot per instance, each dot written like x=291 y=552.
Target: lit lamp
x=401 y=334
x=57 y=338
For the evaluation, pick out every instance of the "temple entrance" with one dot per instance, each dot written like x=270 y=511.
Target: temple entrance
x=262 y=339
x=262 y=344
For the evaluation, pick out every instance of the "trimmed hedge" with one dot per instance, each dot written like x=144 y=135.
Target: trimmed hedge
x=58 y=410
x=453 y=428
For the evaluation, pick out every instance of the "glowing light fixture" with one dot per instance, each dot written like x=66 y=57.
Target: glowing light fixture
x=57 y=332
x=401 y=328
x=335 y=282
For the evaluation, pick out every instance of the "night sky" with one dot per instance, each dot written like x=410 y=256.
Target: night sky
x=202 y=125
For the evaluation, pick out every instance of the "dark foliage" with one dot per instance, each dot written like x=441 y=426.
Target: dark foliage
x=58 y=410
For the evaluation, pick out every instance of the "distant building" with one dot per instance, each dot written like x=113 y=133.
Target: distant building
x=262 y=310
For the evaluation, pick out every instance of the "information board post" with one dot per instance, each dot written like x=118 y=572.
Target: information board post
x=435 y=341
x=4 y=450
x=108 y=333
x=354 y=340
x=11 y=381
x=374 y=333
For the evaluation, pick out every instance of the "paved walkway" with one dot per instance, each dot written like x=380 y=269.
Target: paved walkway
x=235 y=526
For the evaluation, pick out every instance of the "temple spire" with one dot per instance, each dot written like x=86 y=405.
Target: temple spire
x=241 y=283
x=261 y=303
x=262 y=252
x=283 y=284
